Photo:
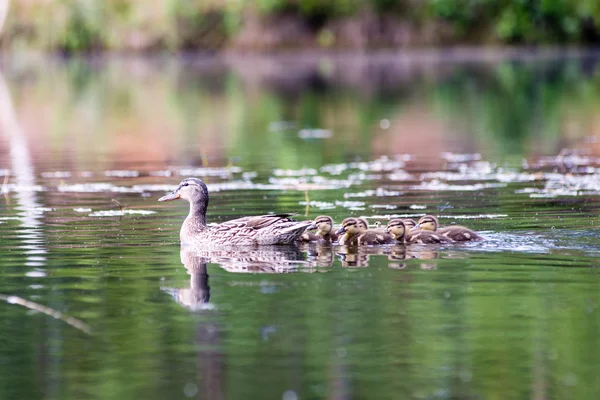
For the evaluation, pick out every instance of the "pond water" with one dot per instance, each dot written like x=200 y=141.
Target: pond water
x=97 y=300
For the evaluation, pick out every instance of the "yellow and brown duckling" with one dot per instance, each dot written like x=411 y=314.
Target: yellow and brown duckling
x=372 y=236
x=397 y=228
x=409 y=223
x=456 y=233
x=349 y=232
x=246 y=231
x=325 y=234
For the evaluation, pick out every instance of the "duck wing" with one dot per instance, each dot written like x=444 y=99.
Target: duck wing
x=261 y=229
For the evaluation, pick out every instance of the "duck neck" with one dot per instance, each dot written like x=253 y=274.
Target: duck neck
x=197 y=215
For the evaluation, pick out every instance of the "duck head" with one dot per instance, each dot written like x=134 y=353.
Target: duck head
x=396 y=228
x=190 y=189
x=427 y=223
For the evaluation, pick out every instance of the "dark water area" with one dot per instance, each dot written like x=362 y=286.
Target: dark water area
x=98 y=300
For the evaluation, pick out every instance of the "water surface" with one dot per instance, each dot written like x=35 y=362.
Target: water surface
x=507 y=147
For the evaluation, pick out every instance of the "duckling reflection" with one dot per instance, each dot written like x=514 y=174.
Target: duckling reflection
x=318 y=254
x=358 y=256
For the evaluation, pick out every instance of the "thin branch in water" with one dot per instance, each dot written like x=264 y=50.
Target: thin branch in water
x=74 y=322
x=118 y=203
x=306 y=200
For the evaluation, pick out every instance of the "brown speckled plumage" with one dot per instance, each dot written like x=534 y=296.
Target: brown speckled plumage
x=245 y=231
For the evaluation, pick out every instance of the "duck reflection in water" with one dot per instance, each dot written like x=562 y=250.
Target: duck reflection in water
x=210 y=362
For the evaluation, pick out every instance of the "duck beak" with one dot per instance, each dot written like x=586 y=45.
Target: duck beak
x=414 y=228
x=340 y=231
x=311 y=227
x=387 y=230
x=174 y=195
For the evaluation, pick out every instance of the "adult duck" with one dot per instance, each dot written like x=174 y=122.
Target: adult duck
x=245 y=231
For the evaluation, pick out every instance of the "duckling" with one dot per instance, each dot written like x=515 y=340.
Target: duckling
x=372 y=236
x=324 y=226
x=397 y=229
x=245 y=231
x=409 y=223
x=456 y=233
x=349 y=232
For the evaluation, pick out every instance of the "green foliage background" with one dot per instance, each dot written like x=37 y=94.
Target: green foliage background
x=87 y=25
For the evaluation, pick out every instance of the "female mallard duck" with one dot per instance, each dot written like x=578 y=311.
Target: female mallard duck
x=324 y=226
x=456 y=233
x=397 y=228
x=354 y=231
x=246 y=231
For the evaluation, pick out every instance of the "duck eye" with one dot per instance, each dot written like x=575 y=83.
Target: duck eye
x=185 y=184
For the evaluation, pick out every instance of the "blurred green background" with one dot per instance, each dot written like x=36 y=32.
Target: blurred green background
x=184 y=25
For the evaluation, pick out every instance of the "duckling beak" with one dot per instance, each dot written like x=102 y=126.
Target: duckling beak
x=174 y=195
x=387 y=230
x=414 y=228
x=340 y=231
x=311 y=227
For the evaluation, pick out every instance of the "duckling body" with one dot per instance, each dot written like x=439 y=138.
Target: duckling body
x=397 y=228
x=456 y=233
x=245 y=231
x=372 y=236
x=425 y=237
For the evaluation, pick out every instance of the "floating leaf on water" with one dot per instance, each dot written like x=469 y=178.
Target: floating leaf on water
x=207 y=171
x=349 y=204
x=379 y=192
x=163 y=173
x=11 y=187
x=119 y=213
x=36 y=274
x=315 y=133
x=322 y=205
x=56 y=174
x=436 y=185
x=122 y=173
x=480 y=216
x=457 y=157
x=278 y=126
x=295 y=172
x=384 y=206
x=400 y=175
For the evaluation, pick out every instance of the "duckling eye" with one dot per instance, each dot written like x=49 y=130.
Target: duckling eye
x=185 y=184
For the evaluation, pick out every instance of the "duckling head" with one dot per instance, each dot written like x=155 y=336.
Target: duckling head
x=409 y=223
x=190 y=189
x=427 y=223
x=323 y=224
x=363 y=224
x=396 y=228
x=349 y=227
